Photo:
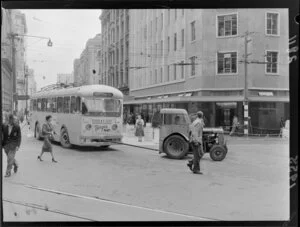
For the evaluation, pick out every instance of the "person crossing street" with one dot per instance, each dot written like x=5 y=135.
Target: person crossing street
x=11 y=143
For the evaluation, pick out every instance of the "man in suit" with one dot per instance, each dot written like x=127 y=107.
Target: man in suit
x=11 y=143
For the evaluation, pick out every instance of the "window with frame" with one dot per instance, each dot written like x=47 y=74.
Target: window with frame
x=169 y=16
x=182 y=37
x=60 y=102
x=161 y=21
x=151 y=78
x=161 y=48
x=227 y=25
x=227 y=63
x=175 y=41
x=156 y=20
x=168 y=43
x=193 y=31
x=155 y=79
x=168 y=73
x=161 y=75
x=193 y=66
x=272 y=23
x=66 y=105
x=73 y=105
x=272 y=62
x=174 y=119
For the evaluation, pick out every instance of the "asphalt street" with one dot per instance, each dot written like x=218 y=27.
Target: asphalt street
x=125 y=183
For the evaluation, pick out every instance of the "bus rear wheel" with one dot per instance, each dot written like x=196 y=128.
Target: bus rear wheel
x=64 y=138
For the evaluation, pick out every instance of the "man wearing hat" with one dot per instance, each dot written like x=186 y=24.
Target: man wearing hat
x=195 y=136
x=11 y=143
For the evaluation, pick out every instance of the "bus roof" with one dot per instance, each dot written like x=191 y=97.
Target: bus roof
x=86 y=90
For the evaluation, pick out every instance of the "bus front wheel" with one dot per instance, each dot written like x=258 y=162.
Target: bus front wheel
x=64 y=138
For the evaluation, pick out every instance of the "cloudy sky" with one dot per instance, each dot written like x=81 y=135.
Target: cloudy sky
x=68 y=29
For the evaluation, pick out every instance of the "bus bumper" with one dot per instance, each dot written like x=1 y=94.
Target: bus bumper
x=96 y=142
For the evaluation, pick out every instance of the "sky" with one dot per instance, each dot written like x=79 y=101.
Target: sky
x=68 y=30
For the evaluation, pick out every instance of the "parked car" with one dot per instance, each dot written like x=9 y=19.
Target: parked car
x=173 y=136
x=286 y=129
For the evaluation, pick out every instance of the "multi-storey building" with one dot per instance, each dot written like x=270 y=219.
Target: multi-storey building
x=6 y=61
x=195 y=59
x=19 y=28
x=115 y=48
x=65 y=78
x=87 y=67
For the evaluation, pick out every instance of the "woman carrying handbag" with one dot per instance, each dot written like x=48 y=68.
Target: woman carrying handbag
x=47 y=132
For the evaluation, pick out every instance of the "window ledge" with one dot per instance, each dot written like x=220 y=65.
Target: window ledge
x=227 y=74
x=271 y=35
x=228 y=36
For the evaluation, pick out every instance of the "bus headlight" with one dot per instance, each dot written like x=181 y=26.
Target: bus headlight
x=88 y=127
x=114 y=127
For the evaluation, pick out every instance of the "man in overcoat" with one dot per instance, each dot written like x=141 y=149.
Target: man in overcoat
x=11 y=142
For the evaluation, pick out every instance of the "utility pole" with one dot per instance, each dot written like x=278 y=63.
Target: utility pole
x=246 y=103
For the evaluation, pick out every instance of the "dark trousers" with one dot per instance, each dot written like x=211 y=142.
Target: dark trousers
x=197 y=153
x=10 y=151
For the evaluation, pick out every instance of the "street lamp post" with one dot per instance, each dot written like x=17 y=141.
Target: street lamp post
x=13 y=36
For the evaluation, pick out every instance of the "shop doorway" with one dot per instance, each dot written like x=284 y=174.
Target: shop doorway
x=224 y=114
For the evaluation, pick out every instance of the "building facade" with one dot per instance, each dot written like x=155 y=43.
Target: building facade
x=19 y=28
x=195 y=59
x=87 y=67
x=7 y=76
x=65 y=78
x=115 y=49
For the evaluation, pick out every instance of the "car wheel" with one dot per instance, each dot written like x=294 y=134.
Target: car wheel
x=37 y=132
x=217 y=153
x=64 y=138
x=176 y=147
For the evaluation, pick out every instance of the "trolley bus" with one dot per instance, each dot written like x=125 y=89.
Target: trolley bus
x=85 y=116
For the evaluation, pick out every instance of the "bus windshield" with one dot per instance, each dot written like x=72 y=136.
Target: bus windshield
x=101 y=107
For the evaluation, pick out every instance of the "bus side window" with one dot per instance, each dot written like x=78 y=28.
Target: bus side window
x=34 y=105
x=73 y=104
x=44 y=105
x=59 y=105
x=54 y=105
x=39 y=104
x=49 y=105
x=84 y=108
x=31 y=105
x=66 y=104
x=78 y=101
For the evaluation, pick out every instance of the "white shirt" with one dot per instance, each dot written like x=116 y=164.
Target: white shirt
x=9 y=128
x=196 y=130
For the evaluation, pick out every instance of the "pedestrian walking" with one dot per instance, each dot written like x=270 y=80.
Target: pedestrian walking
x=139 y=125
x=11 y=142
x=47 y=132
x=195 y=138
x=235 y=125
x=281 y=126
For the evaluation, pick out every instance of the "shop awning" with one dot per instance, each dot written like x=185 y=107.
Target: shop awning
x=187 y=99
x=269 y=99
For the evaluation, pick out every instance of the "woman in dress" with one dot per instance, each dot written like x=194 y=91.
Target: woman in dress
x=139 y=125
x=47 y=132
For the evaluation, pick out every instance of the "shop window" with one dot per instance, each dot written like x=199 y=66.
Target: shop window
x=54 y=105
x=44 y=105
